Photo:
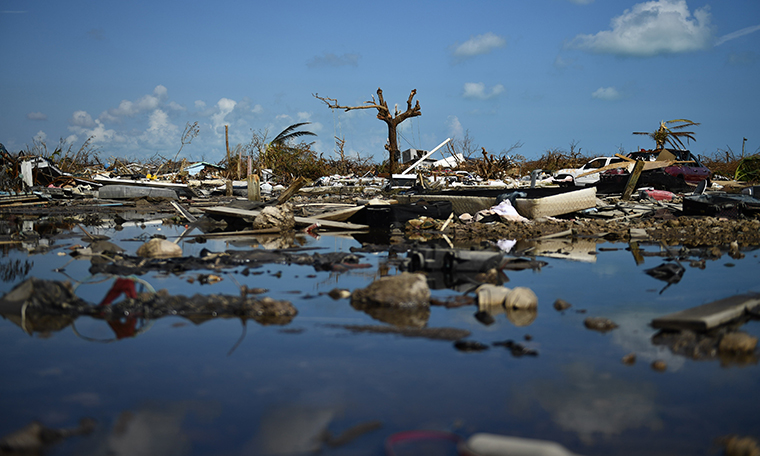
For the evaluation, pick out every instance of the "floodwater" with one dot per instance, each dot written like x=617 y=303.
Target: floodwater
x=223 y=387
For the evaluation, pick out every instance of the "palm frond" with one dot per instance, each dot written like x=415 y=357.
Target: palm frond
x=686 y=123
x=290 y=133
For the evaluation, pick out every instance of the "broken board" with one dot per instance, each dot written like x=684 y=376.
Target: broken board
x=711 y=315
x=233 y=212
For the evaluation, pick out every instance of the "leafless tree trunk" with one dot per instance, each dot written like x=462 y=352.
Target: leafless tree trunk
x=384 y=114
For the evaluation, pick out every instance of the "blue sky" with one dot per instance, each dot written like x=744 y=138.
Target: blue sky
x=541 y=72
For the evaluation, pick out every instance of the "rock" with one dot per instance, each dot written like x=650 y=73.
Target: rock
x=561 y=304
x=659 y=365
x=159 y=248
x=517 y=350
x=275 y=217
x=734 y=252
x=337 y=293
x=599 y=324
x=521 y=298
x=405 y=290
x=629 y=359
x=470 y=346
x=106 y=247
x=493 y=276
x=737 y=342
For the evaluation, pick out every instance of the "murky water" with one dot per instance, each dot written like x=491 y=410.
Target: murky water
x=227 y=388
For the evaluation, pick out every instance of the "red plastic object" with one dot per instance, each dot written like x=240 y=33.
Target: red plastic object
x=659 y=195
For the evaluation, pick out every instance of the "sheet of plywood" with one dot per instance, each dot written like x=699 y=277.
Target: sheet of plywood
x=707 y=316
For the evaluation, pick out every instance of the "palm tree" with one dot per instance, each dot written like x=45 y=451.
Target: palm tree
x=280 y=147
x=664 y=135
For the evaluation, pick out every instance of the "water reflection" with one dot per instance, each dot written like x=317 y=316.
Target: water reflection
x=302 y=429
x=380 y=367
x=594 y=404
x=45 y=306
x=153 y=429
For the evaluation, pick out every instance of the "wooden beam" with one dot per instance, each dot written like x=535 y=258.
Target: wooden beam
x=292 y=190
x=632 y=180
x=711 y=315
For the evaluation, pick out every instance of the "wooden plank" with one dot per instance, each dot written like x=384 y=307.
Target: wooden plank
x=632 y=180
x=233 y=212
x=183 y=212
x=711 y=315
x=341 y=215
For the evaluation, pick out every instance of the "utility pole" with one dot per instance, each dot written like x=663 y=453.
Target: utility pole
x=743 y=142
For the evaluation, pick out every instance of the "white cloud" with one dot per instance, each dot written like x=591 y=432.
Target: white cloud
x=477 y=45
x=174 y=106
x=81 y=119
x=329 y=59
x=478 y=90
x=40 y=136
x=159 y=122
x=455 y=127
x=200 y=104
x=582 y=2
x=82 y=124
x=36 y=116
x=160 y=130
x=223 y=107
x=737 y=34
x=651 y=28
x=130 y=109
x=606 y=94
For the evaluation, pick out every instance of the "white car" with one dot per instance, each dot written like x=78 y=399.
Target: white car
x=568 y=176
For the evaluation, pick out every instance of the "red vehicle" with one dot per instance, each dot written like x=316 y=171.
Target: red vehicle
x=692 y=171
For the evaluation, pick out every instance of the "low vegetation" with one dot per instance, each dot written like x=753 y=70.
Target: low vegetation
x=288 y=156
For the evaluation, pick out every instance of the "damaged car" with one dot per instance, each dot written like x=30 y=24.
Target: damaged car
x=580 y=177
x=680 y=164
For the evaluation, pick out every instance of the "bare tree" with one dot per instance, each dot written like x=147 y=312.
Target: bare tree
x=384 y=114
x=466 y=146
x=191 y=131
